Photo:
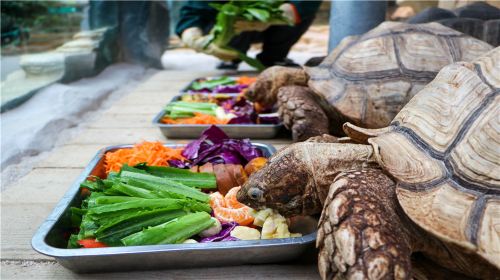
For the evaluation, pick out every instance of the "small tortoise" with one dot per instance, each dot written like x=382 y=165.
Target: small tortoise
x=365 y=80
x=427 y=185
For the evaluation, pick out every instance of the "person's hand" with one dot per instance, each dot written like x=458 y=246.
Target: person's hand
x=289 y=13
x=193 y=38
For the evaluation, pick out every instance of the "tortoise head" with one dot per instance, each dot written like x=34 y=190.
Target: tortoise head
x=265 y=90
x=282 y=184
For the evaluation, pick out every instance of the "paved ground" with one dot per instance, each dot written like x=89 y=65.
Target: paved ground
x=55 y=113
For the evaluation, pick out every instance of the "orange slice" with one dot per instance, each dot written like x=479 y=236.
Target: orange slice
x=217 y=200
x=241 y=215
x=229 y=209
x=231 y=200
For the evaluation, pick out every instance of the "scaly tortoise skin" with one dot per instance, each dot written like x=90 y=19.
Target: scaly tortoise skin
x=429 y=183
x=366 y=80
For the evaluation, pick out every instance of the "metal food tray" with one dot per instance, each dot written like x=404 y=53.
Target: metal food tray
x=187 y=89
x=52 y=236
x=191 y=131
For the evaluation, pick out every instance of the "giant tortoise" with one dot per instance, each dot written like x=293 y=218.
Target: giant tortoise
x=427 y=183
x=366 y=80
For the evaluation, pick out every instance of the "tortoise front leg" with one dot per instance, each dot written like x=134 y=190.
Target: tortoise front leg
x=301 y=113
x=360 y=234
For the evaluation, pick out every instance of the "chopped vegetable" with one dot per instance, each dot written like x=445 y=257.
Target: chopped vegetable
x=223 y=235
x=275 y=226
x=91 y=243
x=245 y=233
x=214 y=230
x=230 y=89
x=175 y=231
x=205 y=180
x=207 y=167
x=134 y=223
x=261 y=216
x=198 y=118
x=216 y=147
x=189 y=241
x=181 y=109
x=151 y=153
x=219 y=85
x=246 y=80
x=205 y=97
x=229 y=176
x=212 y=83
x=164 y=184
x=255 y=165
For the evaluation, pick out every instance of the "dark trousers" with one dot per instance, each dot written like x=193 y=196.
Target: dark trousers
x=141 y=27
x=277 y=41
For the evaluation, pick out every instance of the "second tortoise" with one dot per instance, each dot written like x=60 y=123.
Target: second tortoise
x=366 y=80
x=429 y=183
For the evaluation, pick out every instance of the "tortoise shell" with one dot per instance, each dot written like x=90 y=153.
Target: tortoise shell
x=443 y=149
x=368 y=79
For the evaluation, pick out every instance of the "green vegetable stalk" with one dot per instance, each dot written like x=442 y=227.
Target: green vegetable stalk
x=138 y=203
x=111 y=232
x=181 y=109
x=212 y=83
x=184 y=176
x=175 y=231
x=167 y=185
x=230 y=12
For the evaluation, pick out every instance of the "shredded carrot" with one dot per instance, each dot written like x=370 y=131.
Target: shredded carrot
x=245 y=80
x=198 y=118
x=151 y=153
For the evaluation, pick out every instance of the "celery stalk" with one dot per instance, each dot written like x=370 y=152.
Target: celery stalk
x=184 y=176
x=179 y=109
x=111 y=232
x=134 y=191
x=193 y=105
x=196 y=206
x=171 y=232
x=139 y=203
x=168 y=185
x=156 y=188
x=87 y=227
x=108 y=199
x=212 y=83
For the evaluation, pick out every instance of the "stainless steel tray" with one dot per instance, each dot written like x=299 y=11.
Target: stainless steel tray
x=191 y=131
x=51 y=240
x=187 y=89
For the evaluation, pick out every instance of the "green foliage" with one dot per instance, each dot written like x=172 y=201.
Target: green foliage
x=230 y=12
x=22 y=13
x=37 y=15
